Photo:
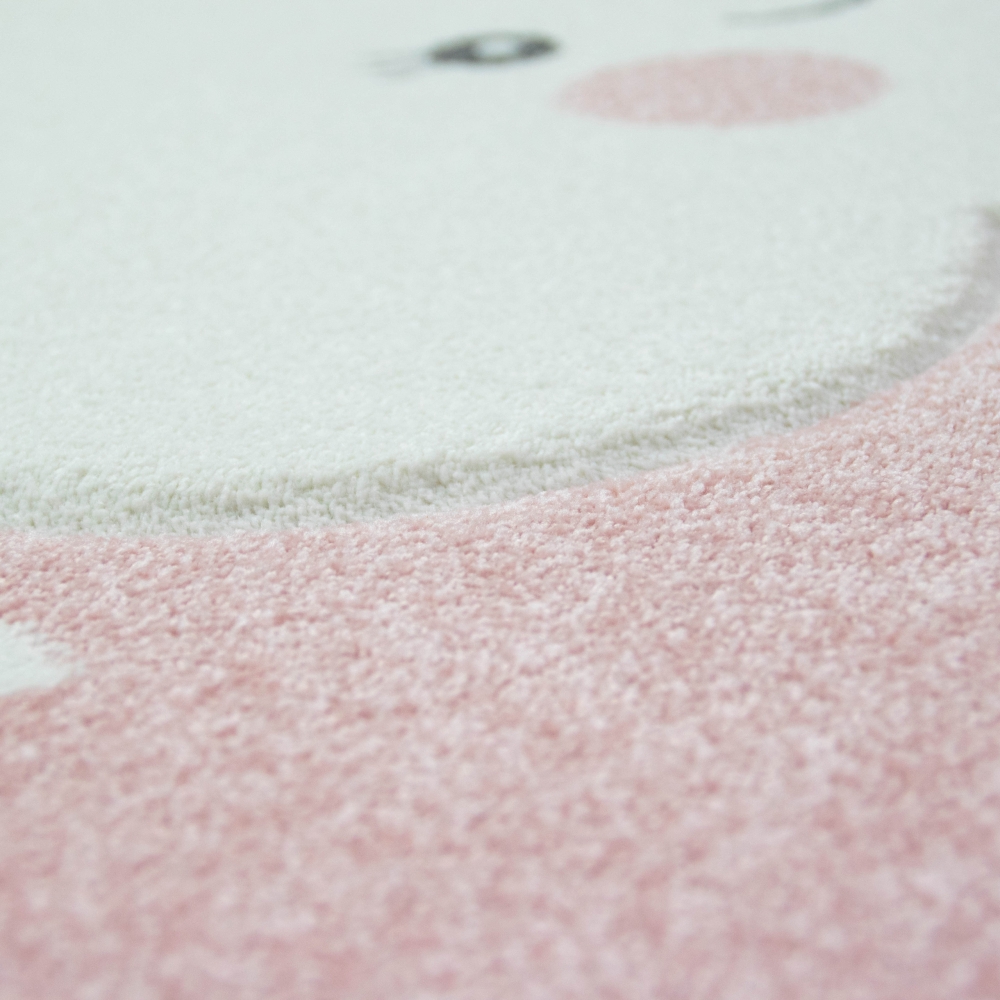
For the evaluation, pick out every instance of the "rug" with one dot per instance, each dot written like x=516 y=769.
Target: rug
x=500 y=500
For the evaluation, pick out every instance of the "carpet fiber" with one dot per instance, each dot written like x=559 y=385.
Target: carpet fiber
x=676 y=677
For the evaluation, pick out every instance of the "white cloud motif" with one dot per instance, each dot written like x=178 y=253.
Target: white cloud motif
x=250 y=281
x=27 y=660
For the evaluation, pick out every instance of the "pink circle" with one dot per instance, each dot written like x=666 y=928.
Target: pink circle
x=726 y=88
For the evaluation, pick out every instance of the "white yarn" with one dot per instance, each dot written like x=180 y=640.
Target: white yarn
x=27 y=661
x=248 y=281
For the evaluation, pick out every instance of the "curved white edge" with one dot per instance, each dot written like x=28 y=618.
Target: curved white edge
x=29 y=661
x=79 y=501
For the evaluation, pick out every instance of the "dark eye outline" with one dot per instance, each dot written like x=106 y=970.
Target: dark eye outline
x=819 y=9
x=521 y=46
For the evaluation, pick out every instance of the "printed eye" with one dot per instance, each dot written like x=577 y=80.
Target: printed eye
x=493 y=49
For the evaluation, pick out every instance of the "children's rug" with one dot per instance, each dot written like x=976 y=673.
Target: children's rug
x=499 y=499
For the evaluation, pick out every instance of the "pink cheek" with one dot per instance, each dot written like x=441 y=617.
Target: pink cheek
x=725 y=89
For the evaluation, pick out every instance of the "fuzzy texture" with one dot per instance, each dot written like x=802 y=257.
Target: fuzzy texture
x=729 y=731
x=726 y=732
x=727 y=89
x=28 y=662
x=250 y=281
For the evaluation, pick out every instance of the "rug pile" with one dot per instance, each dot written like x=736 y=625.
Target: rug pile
x=500 y=502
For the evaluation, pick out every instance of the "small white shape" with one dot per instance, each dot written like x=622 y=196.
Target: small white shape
x=27 y=660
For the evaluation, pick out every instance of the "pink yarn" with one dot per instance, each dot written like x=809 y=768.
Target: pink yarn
x=726 y=88
x=723 y=731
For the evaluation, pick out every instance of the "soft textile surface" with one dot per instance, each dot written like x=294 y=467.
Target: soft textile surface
x=729 y=731
x=267 y=264
x=499 y=500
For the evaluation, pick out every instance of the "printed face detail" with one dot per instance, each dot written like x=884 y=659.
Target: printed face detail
x=775 y=15
x=725 y=89
x=493 y=49
x=248 y=283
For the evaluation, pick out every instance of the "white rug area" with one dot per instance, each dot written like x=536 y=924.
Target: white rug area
x=258 y=275
x=29 y=661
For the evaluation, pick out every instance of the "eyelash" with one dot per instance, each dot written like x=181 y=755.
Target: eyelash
x=525 y=46
x=795 y=13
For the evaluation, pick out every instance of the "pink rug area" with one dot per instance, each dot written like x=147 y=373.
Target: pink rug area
x=728 y=730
